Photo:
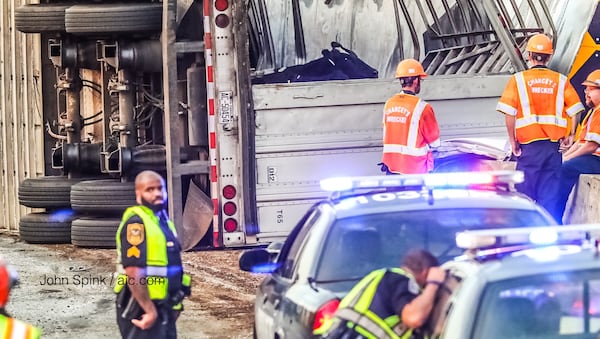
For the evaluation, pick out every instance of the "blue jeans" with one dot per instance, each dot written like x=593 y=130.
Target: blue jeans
x=569 y=175
x=540 y=161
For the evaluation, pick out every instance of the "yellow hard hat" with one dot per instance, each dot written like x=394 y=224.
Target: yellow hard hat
x=540 y=43
x=410 y=68
x=593 y=79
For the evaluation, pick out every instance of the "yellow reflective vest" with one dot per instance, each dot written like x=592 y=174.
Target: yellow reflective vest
x=16 y=329
x=354 y=309
x=156 y=253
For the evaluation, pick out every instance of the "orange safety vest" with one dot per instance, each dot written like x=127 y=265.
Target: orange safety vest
x=15 y=329
x=409 y=128
x=542 y=101
x=591 y=131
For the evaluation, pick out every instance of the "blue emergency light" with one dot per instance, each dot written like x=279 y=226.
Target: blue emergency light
x=431 y=181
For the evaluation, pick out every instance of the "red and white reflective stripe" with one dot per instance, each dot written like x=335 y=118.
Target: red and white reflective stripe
x=212 y=136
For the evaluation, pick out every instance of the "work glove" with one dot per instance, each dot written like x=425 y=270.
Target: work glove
x=384 y=167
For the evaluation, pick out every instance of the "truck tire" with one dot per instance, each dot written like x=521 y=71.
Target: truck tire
x=150 y=157
x=102 y=197
x=46 y=192
x=114 y=18
x=95 y=232
x=46 y=227
x=41 y=18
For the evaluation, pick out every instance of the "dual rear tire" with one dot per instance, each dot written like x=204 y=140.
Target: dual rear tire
x=97 y=19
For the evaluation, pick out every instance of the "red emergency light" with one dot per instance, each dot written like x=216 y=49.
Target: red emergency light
x=229 y=192
x=230 y=225
x=229 y=208
x=221 y=5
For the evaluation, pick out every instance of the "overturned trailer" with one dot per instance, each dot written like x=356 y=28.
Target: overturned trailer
x=194 y=90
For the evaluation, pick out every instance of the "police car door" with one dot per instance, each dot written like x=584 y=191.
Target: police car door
x=269 y=317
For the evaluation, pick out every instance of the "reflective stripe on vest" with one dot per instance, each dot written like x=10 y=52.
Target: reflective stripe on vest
x=585 y=133
x=413 y=132
x=156 y=252
x=417 y=152
x=15 y=329
x=528 y=118
x=354 y=308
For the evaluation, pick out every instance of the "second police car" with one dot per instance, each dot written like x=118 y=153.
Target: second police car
x=539 y=282
x=370 y=223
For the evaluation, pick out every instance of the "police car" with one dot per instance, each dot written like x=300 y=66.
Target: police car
x=370 y=223
x=539 y=282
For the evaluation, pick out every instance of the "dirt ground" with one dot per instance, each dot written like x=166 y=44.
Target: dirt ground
x=66 y=290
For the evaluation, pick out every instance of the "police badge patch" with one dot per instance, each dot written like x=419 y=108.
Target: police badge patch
x=135 y=236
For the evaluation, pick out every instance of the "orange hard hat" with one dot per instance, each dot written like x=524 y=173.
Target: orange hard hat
x=593 y=79
x=410 y=68
x=540 y=43
x=8 y=278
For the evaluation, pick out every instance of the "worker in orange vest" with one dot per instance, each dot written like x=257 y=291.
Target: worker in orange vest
x=537 y=104
x=10 y=327
x=584 y=156
x=409 y=125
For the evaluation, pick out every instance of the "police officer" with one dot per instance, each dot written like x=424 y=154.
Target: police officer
x=10 y=327
x=537 y=104
x=584 y=156
x=390 y=303
x=151 y=283
x=409 y=125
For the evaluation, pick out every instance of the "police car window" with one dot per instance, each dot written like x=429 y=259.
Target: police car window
x=289 y=261
x=565 y=305
x=359 y=244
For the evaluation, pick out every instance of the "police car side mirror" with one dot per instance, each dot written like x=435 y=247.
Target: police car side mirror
x=257 y=260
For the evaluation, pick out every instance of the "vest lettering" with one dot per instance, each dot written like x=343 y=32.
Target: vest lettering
x=542 y=90
x=394 y=118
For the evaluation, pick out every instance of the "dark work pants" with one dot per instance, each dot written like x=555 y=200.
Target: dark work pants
x=569 y=175
x=540 y=161
x=163 y=328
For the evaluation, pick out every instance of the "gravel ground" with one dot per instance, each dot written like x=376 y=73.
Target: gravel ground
x=65 y=290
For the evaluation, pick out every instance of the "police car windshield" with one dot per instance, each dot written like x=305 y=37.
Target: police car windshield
x=556 y=305
x=359 y=244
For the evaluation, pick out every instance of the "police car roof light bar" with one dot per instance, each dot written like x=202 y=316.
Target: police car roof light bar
x=542 y=235
x=429 y=181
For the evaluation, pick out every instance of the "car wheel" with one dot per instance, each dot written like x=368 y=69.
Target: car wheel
x=40 y=18
x=47 y=227
x=110 y=197
x=46 y=192
x=114 y=18
x=95 y=232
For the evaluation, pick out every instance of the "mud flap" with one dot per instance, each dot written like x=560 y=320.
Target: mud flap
x=197 y=216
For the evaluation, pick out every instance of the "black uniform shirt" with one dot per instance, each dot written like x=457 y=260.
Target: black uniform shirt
x=393 y=293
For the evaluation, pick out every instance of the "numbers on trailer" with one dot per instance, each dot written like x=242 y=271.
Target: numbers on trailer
x=225 y=107
x=279 y=216
x=271 y=174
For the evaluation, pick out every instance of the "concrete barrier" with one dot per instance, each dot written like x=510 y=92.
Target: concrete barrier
x=584 y=202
